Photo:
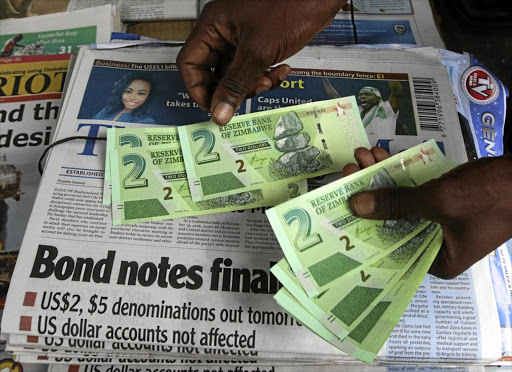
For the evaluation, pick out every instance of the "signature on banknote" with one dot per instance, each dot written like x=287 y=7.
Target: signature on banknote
x=363 y=232
x=256 y=160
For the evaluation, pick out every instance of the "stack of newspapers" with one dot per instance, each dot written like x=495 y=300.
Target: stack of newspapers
x=128 y=263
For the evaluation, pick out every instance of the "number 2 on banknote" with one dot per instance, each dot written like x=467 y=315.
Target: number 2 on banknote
x=133 y=179
x=205 y=154
x=348 y=246
x=303 y=239
x=168 y=194
x=130 y=139
x=294 y=190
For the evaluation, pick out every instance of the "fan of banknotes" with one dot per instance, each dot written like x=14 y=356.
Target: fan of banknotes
x=257 y=160
x=347 y=279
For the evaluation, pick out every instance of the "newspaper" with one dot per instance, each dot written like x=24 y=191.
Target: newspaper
x=379 y=7
x=383 y=22
x=417 y=113
x=38 y=62
x=195 y=283
x=7 y=363
x=59 y=33
x=31 y=111
x=31 y=100
x=500 y=264
x=254 y=368
x=145 y=10
x=481 y=101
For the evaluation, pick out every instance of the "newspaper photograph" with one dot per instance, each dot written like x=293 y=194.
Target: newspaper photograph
x=205 y=282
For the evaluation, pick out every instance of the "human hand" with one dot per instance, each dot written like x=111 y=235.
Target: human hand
x=472 y=203
x=233 y=43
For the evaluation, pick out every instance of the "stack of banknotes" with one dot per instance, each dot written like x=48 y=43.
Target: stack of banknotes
x=257 y=160
x=347 y=279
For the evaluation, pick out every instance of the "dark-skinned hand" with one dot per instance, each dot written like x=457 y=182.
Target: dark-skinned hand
x=472 y=203
x=234 y=42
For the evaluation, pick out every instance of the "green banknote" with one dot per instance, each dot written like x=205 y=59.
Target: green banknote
x=135 y=137
x=342 y=307
x=365 y=341
x=323 y=240
x=253 y=151
x=150 y=183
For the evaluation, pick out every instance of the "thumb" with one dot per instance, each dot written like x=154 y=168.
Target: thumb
x=234 y=85
x=394 y=203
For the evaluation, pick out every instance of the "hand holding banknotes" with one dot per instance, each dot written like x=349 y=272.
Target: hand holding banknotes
x=233 y=43
x=472 y=203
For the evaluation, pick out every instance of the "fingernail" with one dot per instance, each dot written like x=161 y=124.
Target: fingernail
x=285 y=72
x=363 y=204
x=223 y=112
x=261 y=89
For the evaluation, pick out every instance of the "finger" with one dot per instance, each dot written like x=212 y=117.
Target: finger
x=271 y=80
x=379 y=154
x=278 y=74
x=260 y=85
x=235 y=84
x=349 y=169
x=443 y=266
x=395 y=203
x=197 y=57
x=364 y=157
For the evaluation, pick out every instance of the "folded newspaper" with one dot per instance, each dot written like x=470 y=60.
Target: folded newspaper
x=198 y=290
x=34 y=64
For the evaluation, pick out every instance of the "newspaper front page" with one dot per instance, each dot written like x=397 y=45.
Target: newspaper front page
x=145 y=10
x=409 y=22
x=59 y=33
x=383 y=22
x=254 y=368
x=33 y=68
x=28 y=117
x=204 y=282
x=481 y=100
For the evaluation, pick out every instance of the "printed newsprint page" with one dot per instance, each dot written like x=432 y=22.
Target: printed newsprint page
x=34 y=64
x=407 y=22
x=415 y=100
x=259 y=368
x=500 y=264
x=481 y=100
x=57 y=33
x=383 y=22
x=203 y=283
x=145 y=10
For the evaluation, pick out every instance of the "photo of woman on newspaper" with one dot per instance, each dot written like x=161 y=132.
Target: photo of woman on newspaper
x=130 y=100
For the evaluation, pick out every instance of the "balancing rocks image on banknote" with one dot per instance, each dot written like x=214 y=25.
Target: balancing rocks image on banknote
x=254 y=151
x=150 y=183
x=323 y=240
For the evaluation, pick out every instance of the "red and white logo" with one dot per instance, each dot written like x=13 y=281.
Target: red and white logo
x=479 y=86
